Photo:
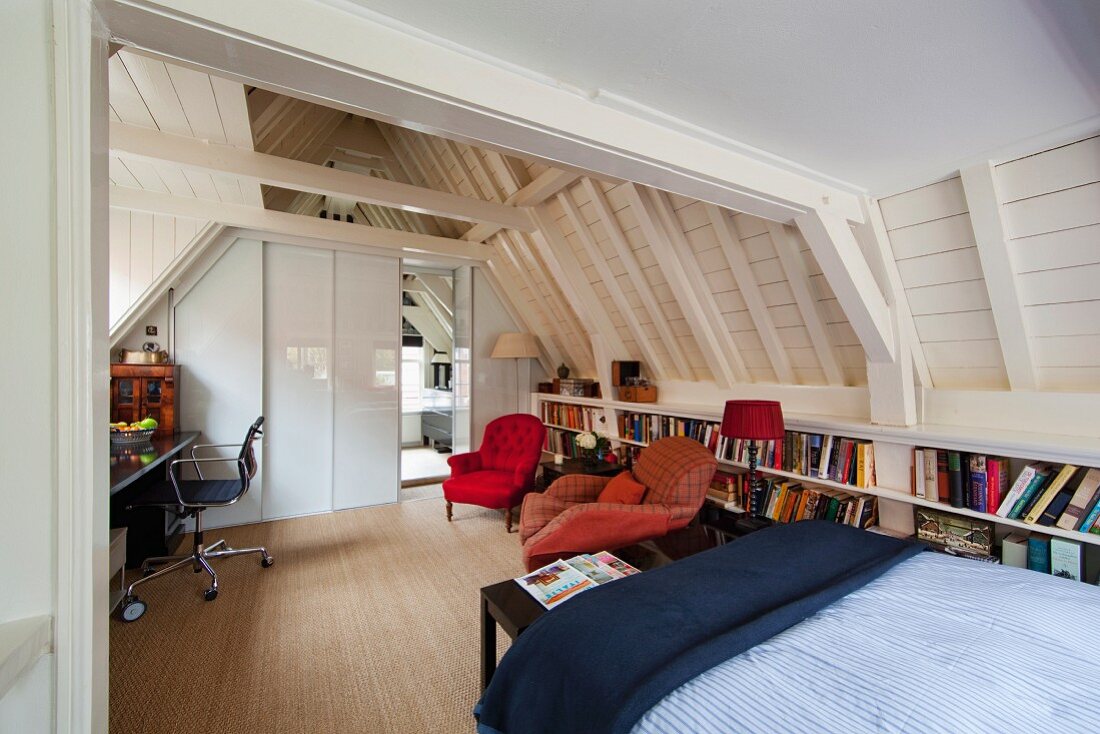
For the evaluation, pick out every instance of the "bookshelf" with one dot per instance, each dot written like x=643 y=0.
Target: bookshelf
x=893 y=452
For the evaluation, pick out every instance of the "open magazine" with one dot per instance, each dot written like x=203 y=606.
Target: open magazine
x=554 y=583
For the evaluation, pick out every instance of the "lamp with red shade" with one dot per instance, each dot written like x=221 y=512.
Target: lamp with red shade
x=753 y=420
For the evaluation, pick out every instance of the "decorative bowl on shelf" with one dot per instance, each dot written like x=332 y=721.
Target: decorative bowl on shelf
x=130 y=438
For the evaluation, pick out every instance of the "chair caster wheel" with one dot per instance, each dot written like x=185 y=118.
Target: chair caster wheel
x=210 y=594
x=132 y=609
x=267 y=562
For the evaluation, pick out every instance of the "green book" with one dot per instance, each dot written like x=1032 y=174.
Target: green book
x=1050 y=493
x=1029 y=494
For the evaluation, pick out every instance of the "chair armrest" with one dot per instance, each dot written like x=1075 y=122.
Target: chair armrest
x=598 y=526
x=525 y=473
x=464 y=463
x=173 y=475
x=577 y=487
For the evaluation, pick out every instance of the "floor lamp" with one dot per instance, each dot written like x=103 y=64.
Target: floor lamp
x=517 y=346
x=753 y=420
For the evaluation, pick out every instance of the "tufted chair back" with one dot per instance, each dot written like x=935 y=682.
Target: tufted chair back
x=676 y=472
x=511 y=440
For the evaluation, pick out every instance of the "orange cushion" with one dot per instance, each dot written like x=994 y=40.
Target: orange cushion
x=623 y=489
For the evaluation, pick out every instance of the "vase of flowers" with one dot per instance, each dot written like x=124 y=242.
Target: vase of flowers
x=592 y=445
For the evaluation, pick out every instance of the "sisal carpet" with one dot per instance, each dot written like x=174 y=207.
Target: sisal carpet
x=368 y=622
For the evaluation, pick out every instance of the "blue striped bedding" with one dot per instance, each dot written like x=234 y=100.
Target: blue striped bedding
x=936 y=644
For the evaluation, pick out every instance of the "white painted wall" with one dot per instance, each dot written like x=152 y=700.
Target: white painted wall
x=28 y=440
x=218 y=345
x=142 y=245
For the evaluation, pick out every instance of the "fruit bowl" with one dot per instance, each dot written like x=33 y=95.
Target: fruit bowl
x=131 y=437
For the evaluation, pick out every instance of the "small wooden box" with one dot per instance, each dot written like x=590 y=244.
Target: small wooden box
x=642 y=394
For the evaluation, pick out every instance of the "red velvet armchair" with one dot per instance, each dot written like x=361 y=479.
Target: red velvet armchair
x=502 y=471
x=567 y=520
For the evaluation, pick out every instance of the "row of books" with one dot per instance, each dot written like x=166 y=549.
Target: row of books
x=556 y=582
x=1042 y=494
x=731 y=491
x=577 y=417
x=561 y=442
x=1060 y=557
x=789 y=501
x=814 y=455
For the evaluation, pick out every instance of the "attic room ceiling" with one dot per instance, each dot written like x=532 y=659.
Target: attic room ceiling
x=880 y=95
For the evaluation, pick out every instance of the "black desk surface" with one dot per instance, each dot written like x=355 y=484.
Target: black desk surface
x=130 y=463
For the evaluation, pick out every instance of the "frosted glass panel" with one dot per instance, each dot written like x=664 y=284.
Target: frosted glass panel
x=463 y=306
x=298 y=380
x=366 y=469
x=218 y=344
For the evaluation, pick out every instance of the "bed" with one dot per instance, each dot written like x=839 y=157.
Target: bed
x=810 y=627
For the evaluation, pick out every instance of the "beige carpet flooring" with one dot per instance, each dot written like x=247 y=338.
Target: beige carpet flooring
x=421 y=492
x=367 y=622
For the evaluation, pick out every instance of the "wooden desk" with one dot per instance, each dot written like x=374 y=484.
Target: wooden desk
x=149 y=531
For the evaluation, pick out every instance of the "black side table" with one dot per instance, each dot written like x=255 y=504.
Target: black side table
x=552 y=471
x=508 y=605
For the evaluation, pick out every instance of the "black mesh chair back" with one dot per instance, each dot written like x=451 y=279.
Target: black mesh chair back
x=247 y=458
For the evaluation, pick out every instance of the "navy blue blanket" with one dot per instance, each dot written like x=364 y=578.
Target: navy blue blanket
x=601 y=660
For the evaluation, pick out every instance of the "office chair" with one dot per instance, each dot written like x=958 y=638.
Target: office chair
x=188 y=498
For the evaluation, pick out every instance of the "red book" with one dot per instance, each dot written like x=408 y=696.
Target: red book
x=941 y=475
x=849 y=450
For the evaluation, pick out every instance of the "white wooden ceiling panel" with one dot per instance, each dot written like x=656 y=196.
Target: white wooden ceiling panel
x=768 y=271
x=944 y=267
x=786 y=316
x=1066 y=351
x=795 y=337
x=777 y=294
x=126 y=100
x=155 y=86
x=758 y=247
x=1077 y=379
x=1070 y=165
x=928 y=238
x=1080 y=318
x=730 y=301
x=936 y=201
x=964 y=353
x=749 y=226
x=196 y=98
x=1065 y=248
x=120 y=174
x=966 y=295
x=962 y=326
x=1060 y=286
x=1076 y=207
x=969 y=378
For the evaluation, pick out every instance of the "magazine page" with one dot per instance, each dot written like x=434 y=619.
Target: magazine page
x=604 y=567
x=615 y=563
x=591 y=569
x=554 y=583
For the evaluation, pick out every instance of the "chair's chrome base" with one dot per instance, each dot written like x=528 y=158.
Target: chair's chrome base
x=198 y=560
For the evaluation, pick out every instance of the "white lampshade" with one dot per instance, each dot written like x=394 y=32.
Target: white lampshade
x=515 y=345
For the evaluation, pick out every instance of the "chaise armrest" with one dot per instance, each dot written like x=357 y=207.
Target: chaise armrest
x=596 y=526
x=524 y=474
x=577 y=488
x=464 y=463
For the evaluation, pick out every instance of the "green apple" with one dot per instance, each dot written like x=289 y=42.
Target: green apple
x=148 y=423
x=147 y=458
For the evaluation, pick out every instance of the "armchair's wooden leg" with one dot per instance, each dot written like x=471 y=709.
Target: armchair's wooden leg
x=449 y=506
x=508 y=519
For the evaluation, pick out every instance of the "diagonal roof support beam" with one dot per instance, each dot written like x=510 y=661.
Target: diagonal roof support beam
x=846 y=269
x=984 y=203
x=561 y=260
x=192 y=154
x=750 y=291
x=548 y=183
x=637 y=278
x=584 y=234
x=794 y=267
x=689 y=287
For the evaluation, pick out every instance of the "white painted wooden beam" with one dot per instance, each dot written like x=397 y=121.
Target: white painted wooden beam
x=846 y=269
x=239 y=215
x=512 y=252
x=798 y=278
x=734 y=251
x=584 y=234
x=559 y=256
x=193 y=154
x=900 y=300
x=547 y=184
x=531 y=254
x=637 y=278
x=691 y=291
x=360 y=135
x=440 y=289
x=980 y=187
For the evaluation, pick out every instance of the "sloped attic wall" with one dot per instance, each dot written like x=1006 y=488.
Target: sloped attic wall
x=1050 y=206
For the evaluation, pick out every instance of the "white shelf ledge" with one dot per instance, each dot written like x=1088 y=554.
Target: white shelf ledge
x=22 y=642
x=1058 y=448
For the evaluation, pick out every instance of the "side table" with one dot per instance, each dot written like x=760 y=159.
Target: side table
x=508 y=605
x=552 y=471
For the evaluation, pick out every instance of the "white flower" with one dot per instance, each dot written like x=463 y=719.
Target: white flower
x=587 y=440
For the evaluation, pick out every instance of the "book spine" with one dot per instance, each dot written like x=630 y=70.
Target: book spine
x=1018 y=488
x=931 y=485
x=955 y=479
x=1091 y=515
x=978 y=478
x=1051 y=492
x=918 y=473
x=942 y=487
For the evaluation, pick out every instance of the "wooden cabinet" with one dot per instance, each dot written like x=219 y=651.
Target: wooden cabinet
x=139 y=391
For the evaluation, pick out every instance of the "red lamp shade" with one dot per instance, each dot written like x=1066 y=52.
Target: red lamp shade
x=759 y=420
